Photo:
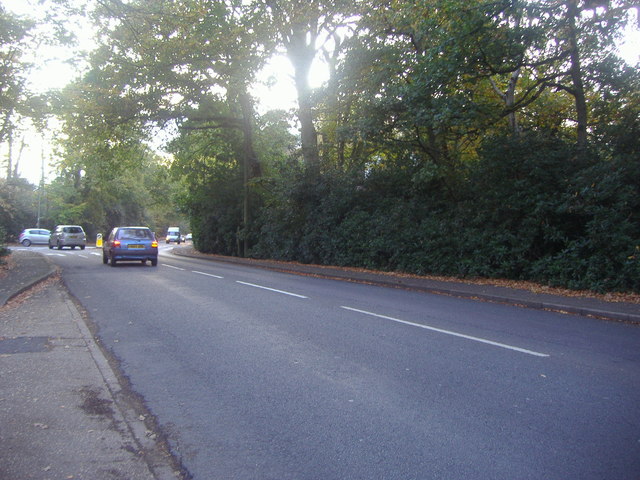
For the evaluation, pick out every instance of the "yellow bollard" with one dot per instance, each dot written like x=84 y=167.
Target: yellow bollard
x=99 y=241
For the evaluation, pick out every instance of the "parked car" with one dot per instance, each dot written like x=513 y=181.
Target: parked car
x=36 y=236
x=173 y=235
x=130 y=244
x=68 y=236
x=189 y=237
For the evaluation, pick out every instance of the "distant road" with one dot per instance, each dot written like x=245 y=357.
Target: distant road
x=261 y=375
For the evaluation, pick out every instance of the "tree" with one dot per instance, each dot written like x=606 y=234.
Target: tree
x=187 y=63
x=13 y=35
x=18 y=206
x=300 y=27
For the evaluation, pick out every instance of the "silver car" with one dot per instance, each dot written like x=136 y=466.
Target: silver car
x=34 y=236
x=68 y=236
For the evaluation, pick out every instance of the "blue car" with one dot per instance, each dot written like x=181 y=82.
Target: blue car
x=130 y=244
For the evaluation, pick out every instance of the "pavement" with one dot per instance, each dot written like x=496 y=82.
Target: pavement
x=66 y=412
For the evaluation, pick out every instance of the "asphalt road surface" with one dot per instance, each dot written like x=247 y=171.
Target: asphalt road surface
x=260 y=375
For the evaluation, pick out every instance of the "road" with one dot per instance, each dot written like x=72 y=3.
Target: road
x=254 y=374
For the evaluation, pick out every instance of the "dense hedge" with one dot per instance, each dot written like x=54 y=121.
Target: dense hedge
x=4 y=251
x=529 y=208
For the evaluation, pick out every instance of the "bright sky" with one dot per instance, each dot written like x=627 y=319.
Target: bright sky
x=55 y=71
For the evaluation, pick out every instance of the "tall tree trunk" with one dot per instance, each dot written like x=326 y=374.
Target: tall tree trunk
x=510 y=101
x=576 y=74
x=251 y=165
x=16 y=160
x=10 y=155
x=301 y=53
x=508 y=97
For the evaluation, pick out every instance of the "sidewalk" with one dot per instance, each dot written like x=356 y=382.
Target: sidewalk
x=579 y=305
x=63 y=413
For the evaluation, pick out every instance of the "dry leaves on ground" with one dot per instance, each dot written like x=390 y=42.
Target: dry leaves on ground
x=520 y=285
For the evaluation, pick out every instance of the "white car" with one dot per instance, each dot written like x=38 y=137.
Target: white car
x=36 y=236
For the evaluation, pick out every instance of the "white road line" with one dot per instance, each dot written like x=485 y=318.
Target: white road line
x=96 y=254
x=447 y=332
x=55 y=254
x=82 y=256
x=171 y=266
x=271 y=289
x=207 y=274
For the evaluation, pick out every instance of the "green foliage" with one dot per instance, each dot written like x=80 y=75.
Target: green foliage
x=18 y=206
x=213 y=193
x=4 y=251
x=606 y=253
x=215 y=209
x=528 y=208
x=14 y=40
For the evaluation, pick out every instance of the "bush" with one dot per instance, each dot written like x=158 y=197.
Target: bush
x=528 y=208
x=4 y=251
x=606 y=254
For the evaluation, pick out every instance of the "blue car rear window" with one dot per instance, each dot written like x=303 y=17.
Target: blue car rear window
x=135 y=234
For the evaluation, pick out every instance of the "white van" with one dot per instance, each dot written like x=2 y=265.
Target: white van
x=173 y=235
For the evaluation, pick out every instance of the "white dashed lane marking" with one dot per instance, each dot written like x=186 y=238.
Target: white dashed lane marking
x=448 y=332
